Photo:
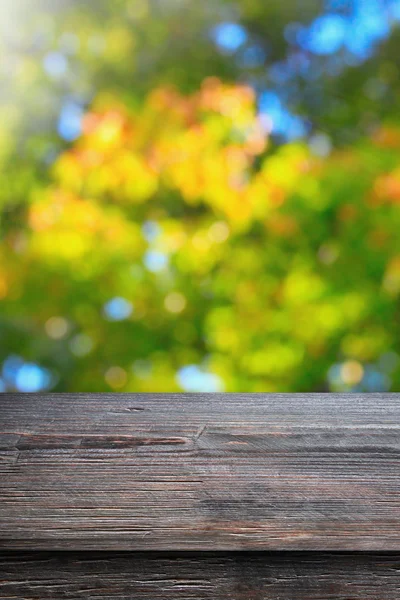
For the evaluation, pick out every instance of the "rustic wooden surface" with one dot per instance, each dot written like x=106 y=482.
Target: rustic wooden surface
x=237 y=576
x=200 y=472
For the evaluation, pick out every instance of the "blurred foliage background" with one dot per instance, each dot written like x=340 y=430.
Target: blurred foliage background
x=200 y=196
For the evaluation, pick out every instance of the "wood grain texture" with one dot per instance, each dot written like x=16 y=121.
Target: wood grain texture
x=200 y=472
x=237 y=576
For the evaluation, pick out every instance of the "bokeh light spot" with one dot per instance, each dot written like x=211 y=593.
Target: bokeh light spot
x=55 y=64
x=30 y=377
x=116 y=377
x=56 y=327
x=352 y=372
x=70 y=121
x=194 y=379
x=118 y=309
x=81 y=344
x=229 y=36
x=219 y=232
x=155 y=261
x=175 y=302
x=325 y=35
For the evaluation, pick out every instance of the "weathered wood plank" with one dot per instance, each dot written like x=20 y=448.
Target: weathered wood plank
x=200 y=472
x=236 y=576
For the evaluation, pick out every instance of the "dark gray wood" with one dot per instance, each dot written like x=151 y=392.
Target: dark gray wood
x=237 y=576
x=200 y=472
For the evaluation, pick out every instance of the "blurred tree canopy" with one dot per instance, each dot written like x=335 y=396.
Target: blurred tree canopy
x=200 y=196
